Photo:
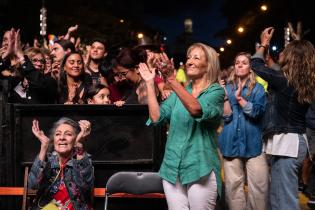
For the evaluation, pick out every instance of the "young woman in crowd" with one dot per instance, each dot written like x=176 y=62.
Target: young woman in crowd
x=73 y=82
x=240 y=140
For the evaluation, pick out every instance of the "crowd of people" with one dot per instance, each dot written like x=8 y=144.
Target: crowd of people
x=256 y=118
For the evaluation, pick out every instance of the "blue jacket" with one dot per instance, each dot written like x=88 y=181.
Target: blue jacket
x=241 y=134
x=78 y=178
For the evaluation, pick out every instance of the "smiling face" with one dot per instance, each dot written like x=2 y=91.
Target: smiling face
x=74 y=65
x=196 y=64
x=242 y=66
x=64 y=139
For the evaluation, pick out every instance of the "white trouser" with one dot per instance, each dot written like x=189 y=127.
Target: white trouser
x=199 y=195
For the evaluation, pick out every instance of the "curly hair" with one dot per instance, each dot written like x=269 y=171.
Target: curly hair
x=298 y=65
x=251 y=77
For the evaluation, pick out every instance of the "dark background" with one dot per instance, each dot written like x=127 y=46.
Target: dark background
x=214 y=21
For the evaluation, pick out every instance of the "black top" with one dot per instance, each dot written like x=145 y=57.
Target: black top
x=289 y=114
x=42 y=88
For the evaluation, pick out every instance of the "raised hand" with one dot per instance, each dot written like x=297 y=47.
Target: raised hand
x=40 y=135
x=6 y=51
x=72 y=29
x=85 y=126
x=18 y=45
x=266 y=36
x=166 y=66
x=146 y=73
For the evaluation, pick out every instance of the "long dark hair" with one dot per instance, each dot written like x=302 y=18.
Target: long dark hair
x=62 y=83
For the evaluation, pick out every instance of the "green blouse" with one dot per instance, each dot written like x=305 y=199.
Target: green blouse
x=191 y=147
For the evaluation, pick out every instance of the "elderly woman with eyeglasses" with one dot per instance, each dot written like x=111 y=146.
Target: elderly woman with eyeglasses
x=62 y=173
x=29 y=84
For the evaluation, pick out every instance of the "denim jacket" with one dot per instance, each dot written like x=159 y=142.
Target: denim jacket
x=241 y=134
x=78 y=178
x=288 y=114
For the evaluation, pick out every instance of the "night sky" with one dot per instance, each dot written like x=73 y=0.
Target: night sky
x=213 y=20
x=207 y=21
x=166 y=16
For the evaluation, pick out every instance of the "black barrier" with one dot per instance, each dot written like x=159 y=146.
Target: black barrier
x=119 y=140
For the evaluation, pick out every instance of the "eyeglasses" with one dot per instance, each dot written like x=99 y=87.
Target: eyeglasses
x=42 y=61
x=121 y=75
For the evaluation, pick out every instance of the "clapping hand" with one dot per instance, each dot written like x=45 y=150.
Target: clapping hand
x=40 y=134
x=85 y=126
x=8 y=49
x=18 y=45
x=238 y=92
x=166 y=66
x=146 y=73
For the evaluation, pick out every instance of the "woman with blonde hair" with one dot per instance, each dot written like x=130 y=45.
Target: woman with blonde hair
x=240 y=140
x=191 y=168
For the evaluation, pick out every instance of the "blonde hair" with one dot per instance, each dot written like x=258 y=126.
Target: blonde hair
x=298 y=65
x=212 y=59
x=33 y=51
x=251 y=77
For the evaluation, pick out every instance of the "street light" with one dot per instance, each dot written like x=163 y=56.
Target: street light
x=140 y=35
x=263 y=7
x=240 y=29
x=222 y=49
x=229 y=41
